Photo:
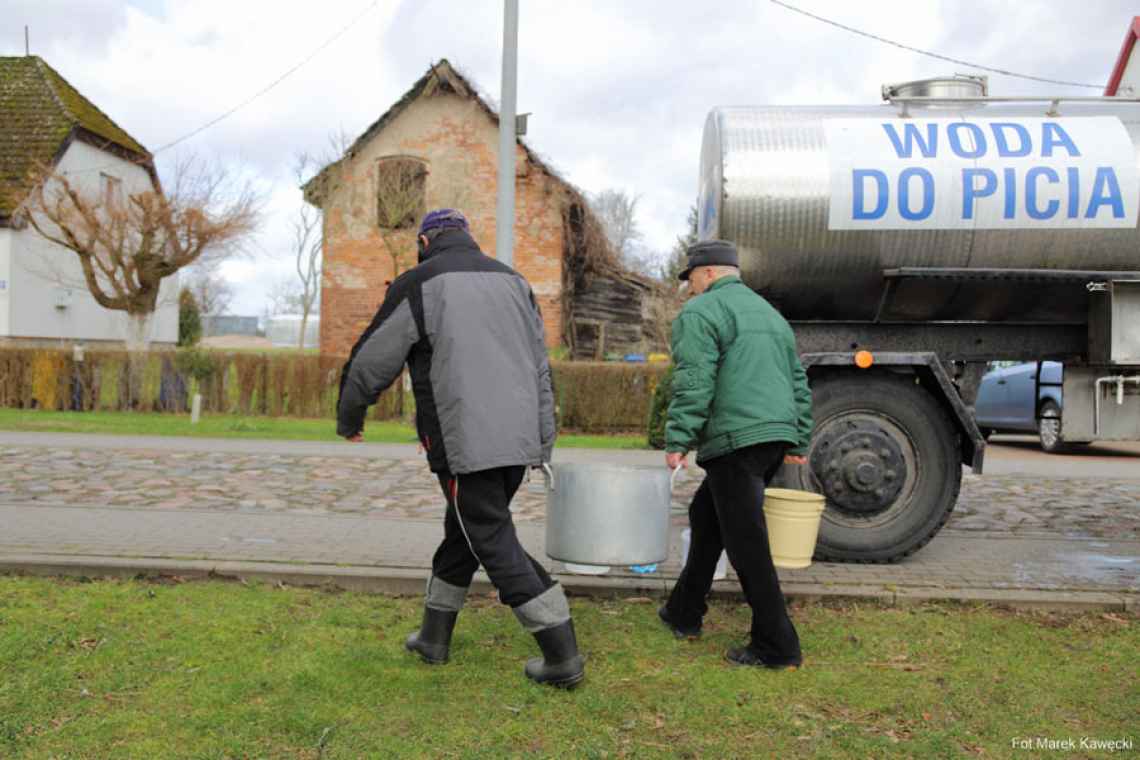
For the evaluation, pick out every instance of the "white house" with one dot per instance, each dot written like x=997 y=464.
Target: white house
x=44 y=120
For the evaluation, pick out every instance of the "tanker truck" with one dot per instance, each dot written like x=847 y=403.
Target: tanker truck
x=909 y=244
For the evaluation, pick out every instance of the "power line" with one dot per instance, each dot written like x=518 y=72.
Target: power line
x=344 y=30
x=929 y=54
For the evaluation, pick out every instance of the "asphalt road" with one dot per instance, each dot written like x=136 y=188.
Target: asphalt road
x=1021 y=455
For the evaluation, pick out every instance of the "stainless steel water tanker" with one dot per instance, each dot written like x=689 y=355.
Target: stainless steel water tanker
x=822 y=200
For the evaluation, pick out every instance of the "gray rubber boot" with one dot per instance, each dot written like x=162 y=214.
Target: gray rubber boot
x=432 y=642
x=442 y=604
x=560 y=665
x=547 y=617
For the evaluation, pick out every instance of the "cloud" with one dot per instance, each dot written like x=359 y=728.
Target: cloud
x=619 y=91
x=58 y=25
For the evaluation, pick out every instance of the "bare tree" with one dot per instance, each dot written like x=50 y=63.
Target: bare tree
x=128 y=245
x=308 y=237
x=668 y=297
x=307 y=244
x=617 y=212
x=678 y=259
x=283 y=297
x=212 y=291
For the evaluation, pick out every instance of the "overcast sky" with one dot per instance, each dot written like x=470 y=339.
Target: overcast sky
x=619 y=90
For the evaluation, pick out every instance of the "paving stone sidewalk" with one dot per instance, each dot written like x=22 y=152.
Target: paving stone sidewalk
x=290 y=512
x=405 y=488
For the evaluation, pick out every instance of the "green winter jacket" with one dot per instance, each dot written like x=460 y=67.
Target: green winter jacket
x=738 y=379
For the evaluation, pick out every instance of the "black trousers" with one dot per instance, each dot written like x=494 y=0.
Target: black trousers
x=478 y=530
x=727 y=513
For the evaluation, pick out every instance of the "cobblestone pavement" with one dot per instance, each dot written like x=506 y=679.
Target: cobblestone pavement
x=403 y=488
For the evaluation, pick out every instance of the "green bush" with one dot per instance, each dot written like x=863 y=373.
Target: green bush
x=196 y=363
x=595 y=397
x=659 y=410
x=189 y=319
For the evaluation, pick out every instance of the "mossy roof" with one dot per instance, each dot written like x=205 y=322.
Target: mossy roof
x=39 y=112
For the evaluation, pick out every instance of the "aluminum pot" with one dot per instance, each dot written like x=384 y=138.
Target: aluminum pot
x=607 y=514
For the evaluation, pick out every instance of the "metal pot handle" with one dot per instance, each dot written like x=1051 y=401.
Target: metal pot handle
x=548 y=473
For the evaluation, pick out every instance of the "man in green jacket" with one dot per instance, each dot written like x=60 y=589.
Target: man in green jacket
x=741 y=400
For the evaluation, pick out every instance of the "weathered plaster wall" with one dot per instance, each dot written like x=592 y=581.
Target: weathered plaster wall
x=460 y=145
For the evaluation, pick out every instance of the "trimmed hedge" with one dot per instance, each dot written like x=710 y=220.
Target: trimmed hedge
x=592 y=397
x=301 y=385
x=659 y=410
x=596 y=397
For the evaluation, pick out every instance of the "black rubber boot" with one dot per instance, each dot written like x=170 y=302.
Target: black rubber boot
x=748 y=656
x=560 y=664
x=433 y=640
x=680 y=631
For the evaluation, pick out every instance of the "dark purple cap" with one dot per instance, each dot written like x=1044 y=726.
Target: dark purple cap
x=443 y=218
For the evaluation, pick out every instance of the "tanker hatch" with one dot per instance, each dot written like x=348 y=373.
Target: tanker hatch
x=957 y=86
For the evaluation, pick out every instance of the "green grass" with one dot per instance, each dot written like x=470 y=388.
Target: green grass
x=232 y=426
x=134 y=669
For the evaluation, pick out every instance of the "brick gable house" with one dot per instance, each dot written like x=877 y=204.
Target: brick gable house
x=439 y=142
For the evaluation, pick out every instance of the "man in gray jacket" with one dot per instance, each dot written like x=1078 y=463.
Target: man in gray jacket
x=471 y=333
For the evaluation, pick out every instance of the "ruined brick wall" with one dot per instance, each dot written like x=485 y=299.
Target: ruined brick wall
x=460 y=145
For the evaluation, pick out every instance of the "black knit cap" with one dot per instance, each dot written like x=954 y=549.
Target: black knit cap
x=710 y=253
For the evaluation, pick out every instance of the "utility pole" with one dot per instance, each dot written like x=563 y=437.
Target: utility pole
x=27 y=46
x=505 y=211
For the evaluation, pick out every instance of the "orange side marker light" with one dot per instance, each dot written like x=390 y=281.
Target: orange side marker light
x=864 y=359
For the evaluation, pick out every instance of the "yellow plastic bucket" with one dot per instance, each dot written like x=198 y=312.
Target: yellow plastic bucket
x=793 y=525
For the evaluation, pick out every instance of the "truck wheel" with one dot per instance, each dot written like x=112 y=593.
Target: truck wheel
x=887 y=457
x=1049 y=428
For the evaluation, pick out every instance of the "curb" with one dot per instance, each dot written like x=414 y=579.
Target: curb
x=406 y=581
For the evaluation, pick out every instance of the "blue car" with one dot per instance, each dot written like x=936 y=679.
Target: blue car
x=1023 y=398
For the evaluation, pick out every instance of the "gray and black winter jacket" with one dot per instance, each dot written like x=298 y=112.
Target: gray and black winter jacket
x=471 y=333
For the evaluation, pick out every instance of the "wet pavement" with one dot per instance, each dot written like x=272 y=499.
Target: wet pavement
x=96 y=504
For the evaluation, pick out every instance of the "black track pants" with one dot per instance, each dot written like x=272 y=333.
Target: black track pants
x=478 y=530
x=727 y=513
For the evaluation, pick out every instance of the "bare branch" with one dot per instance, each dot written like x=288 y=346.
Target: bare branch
x=307 y=245
x=210 y=289
x=618 y=214
x=126 y=247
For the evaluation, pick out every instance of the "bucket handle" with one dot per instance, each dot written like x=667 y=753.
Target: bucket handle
x=548 y=473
